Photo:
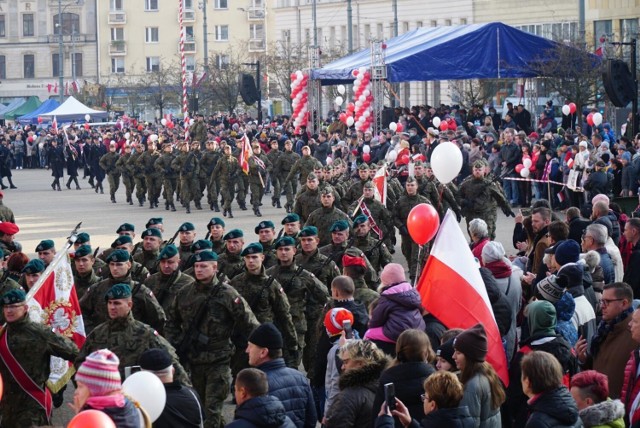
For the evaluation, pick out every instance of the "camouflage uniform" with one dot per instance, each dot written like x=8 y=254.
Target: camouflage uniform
x=84 y=282
x=274 y=176
x=479 y=198
x=353 y=193
x=166 y=287
x=136 y=170
x=185 y=254
x=323 y=218
x=31 y=344
x=303 y=166
x=378 y=255
x=282 y=167
x=363 y=293
x=169 y=178
x=186 y=163
x=226 y=171
x=382 y=217
x=300 y=286
x=218 y=247
x=307 y=202
x=127 y=178
x=270 y=259
x=230 y=265
x=257 y=177
x=108 y=164
x=208 y=362
x=148 y=259
x=335 y=253
x=432 y=189
x=208 y=163
x=409 y=248
x=146 y=162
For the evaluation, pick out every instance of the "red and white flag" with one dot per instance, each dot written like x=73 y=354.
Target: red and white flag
x=245 y=154
x=380 y=183
x=56 y=304
x=54 y=125
x=453 y=291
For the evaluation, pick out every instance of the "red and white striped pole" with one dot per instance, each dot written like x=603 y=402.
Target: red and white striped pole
x=183 y=63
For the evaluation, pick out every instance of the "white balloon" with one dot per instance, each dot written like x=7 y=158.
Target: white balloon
x=597 y=119
x=358 y=103
x=366 y=113
x=436 y=121
x=339 y=100
x=362 y=70
x=366 y=93
x=366 y=149
x=524 y=172
x=392 y=155
x=147 y=389
x=446 y=162
x=87 y=117
x=393 y=126
x=341 y=89
x=163 y=122
x=566 y=110
x=299 y=74
x=127 y=135
x=526 y=163
x=350 y=121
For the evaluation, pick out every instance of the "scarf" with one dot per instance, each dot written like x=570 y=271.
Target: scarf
x=499 y=269
x=102 y=402
x=604 y=328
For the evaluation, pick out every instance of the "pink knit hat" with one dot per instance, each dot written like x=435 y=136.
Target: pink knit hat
x=393 y=273
x=100 y=372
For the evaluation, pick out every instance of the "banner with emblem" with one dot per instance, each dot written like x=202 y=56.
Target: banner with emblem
x=56 y=304
x=380 y=183
x=245 y=154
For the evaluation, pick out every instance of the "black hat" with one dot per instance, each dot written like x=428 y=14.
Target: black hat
x=83 y=250
x=126 y=227
x=118 y=256
x=266 y=335
x=186 y=227
x=45 y=245
x=265 y=224
x=291 y=218
x=122 y=240
x=118 y=291
x=201 y=244
x=308 y=231
x=168 y=252
x=570 y=275
x=33 y=266
x=155 y=360
x=285 y=241
x=16 y=295
x=205 y=256
x=253 y=248
x=153 y=221
x=472 y=343
x=82 y=238
x=233 y=234
x=215 y=220
x=445 y=351
x=152 y=232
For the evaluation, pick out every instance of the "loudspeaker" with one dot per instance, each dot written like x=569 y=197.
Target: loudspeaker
x=618 y=83
x=388 y=116
x=248 y=90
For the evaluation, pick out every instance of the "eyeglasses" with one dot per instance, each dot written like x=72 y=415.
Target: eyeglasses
x=607 y=302
x=424 y=397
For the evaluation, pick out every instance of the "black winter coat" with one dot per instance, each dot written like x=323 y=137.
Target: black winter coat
x=458 y=417
x=261 y=412
x=554 y=409
x=597 y=183
x=183 y=408
x=56 y=162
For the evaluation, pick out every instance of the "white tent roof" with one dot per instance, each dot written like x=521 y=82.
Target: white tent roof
x=73 y=109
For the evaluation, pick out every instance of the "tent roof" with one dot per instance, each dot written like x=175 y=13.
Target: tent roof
x=73 y=109
x=30 y=105
x=474 y=51
x=12 y=105
x=32 y=117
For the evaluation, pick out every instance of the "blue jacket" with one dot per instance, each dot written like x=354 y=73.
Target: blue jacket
x=292 y=388
x=261 y=412
x=457 y=417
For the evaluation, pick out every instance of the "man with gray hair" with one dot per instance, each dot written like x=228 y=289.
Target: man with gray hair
x=594 y=238
x=479 y=233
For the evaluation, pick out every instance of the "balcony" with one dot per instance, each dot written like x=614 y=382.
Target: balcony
x=188 y=16
x=118 y=48
x=256 y=13
x=117 y=18
x=257 y=45
x=189 y=47
x=67 y=38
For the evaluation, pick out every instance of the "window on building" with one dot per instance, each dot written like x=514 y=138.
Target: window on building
x=419 y=24
x=117 y=33
x=117 y=65
x=222 y=61
x=29 y=66
x=70 y=23
x=434 y=23
x=3 y=32
x=222 y=4
x=55 y=65
x=28 y=29
x=380 y=31
x=447 y=22
x=256 y=31
x=222 y=33
x=190 y=62
x=257 y=4
x=116 y=5
x=463 y=21
x=188 y=32
x=153 y=63
x=405 y=27
x=152 y=35
x=150 y=5
x=3 y=67
x=77 y=64
x=367 y=33
x=628 y=31
x=602 y=29
x=188 y=4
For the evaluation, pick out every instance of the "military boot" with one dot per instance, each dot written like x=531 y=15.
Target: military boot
x=242 y=205
x=215 y=207
x=113 y=198
x=273 y=202
x=141 y=202
x=151 y=205
x=173 y=207
x=278 y=204
x=257 y=212
x=188 y=207
x=130 y=200
x=230 y=213
x=198 y=206
x=166 y=205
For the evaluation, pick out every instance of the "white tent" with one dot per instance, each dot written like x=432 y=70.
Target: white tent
x=73 y=109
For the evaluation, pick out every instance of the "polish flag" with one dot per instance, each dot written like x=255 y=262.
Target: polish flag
x=453 y=291
x=54 y=125
x=245 y=154
x=380 y=183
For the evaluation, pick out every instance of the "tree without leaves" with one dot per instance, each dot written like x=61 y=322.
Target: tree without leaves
x=222 y=82
x=162 y=87
x=468 y=93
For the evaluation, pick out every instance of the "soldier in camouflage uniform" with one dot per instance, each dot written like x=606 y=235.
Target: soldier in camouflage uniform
x=84 y=274
x=209 y=356
x=328 y=214
x=291 y=226
x=208 y=163
x=405 y=204
x=258 y=165
x=226 y=172
x=186 y=163
x=231 y=262
x=370 y=244
x=198 y=130
x=216 y=235
x=126 y=336
x=169 y=175
x=274 y=175
x=480 y=198
x=436 y=192
x=146 y=163
x=356 y=187
x=300 y=286
x=380 y=214
x=166 y=283
x=308 y=200
x=282 y=167
x=197 y=247
x=186 y=238
x=139 y=272
x=151 y=245
x=146 y=307
x=304 y=166
x=127 y=178
x=136 y=170
x=242 y=180
x=31 y=344
x=108 y=164
x=268 y=301
x=266 y=232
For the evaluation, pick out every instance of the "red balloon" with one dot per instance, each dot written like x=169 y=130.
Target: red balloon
x=519 y=168
x=170 y=125
x=39 y=119
x=590 y=119
x=87 y=126
x=572 y=108
x=140 y=127
x=444 y=126
x=343 y=117
x=399 y=127
x=366 y=157
x=30 y=139
x=91 y=418
x=423 y=223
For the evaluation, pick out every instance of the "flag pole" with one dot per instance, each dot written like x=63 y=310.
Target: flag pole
x=418 y=267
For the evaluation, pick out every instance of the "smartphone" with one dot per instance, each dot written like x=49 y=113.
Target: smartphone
x=348 y=329
x=390 y=396
x=582 y=331
x=129 y=370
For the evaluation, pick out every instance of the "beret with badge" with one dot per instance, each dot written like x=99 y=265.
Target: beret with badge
x=33 y=266
x=265 y=224
x=233 y=234
x=126 y=227
x=122 y=240
x=186 y=227
x=82 y=238
x=153 y=222
x=83 y=250
x=253 y=248
x=291 y=218
x=308 y=231
x=201 y=244
x=205 y=256
x=118 y=291
x=339 y=226
x=118 y=256
x=285 y=241
x=45 y=245
x=168 y=252
x=328 y=190
x=214 y=221
x=360 y=219
x=13 y=296
x=152 y=232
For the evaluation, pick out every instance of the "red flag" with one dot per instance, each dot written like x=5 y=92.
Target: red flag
x=56 y=304
x=453 y=291
x=54 y=125
x=380 y=183
x=245 y=154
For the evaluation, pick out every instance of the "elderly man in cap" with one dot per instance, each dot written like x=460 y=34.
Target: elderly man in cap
x=216 y=234
x=305 y=292
x=186 y=238
x=8 y=231
x=151 y=246
x=287 y=384
x=231 y=262
x=291 y=225
x=124 y=335
x=165 y=283
x=24 y=363
x=84 y=275
x=183 y=407
x=328 y=214
x=266 y=232
x=214 y=310
x=146 y=308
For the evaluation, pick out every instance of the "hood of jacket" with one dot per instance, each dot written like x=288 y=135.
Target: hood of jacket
x=557 y=404
x=565 y=307
x=265 y=411
x=403 y=294
x=366 y=376
x=608 y=413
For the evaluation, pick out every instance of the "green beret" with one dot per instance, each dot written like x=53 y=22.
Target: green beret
x=153 y=221
x=285 y=241
x=121 y=240
x=369 y=185
x=363 y=167
x=83 y=250
x=205 y=256
x=126 y=227
x=291 y=218
x=214 y=221
x=45 y=245
x=328 y=190
x=82 y=238
x=265 y=224
x=118 y=291
x=233 y=234
x=253 y=248
x=118 y=256
x=152 y=232
x=339 y=226
x=186 y=227
x=308 y=231
x=168 y=252
x=16 y=295
x=201 y=244
x=360 y=219
x=33 y=266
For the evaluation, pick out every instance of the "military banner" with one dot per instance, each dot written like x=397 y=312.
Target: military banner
x=245 y=154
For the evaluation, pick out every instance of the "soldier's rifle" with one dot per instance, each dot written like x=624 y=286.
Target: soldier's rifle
x=161 y=293
x=173 y=238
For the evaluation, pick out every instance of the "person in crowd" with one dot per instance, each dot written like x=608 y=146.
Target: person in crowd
x=594 y=238
x=590 y=391
x=550 y=402
x=631 y=382
x=632 y=269
x=576 y=223
x=335 y=322
x=444 y=357
x=479 y=233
